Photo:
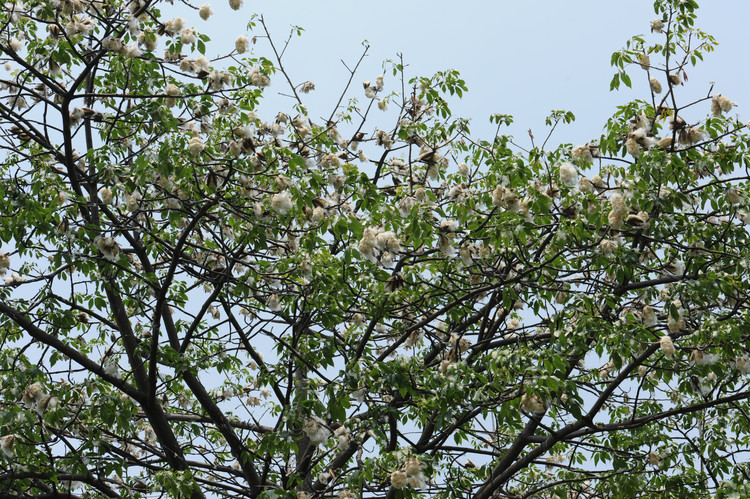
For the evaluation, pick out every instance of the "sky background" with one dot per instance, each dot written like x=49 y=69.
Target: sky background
x=518 y=58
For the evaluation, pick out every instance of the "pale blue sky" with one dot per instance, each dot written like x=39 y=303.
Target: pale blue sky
x=519 y=58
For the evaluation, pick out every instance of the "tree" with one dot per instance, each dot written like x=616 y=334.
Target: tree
x=205 y=299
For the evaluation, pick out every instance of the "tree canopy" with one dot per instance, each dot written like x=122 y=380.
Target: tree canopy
x=204 y=297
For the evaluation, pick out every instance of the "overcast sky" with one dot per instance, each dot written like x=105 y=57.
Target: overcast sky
x=519 y=58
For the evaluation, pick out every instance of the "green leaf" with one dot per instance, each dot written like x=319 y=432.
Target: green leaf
x=615 y=83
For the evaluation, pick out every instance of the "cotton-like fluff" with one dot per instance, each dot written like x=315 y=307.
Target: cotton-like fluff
x=657 y=25
x=615 y=221
x=241 y=44
x=606 y=370
x=398 y=479
x=105 y=194
x=721 y=104
x=32 y=394
x=257 y=77
x=665 y=143
x=132 y=201
x=667 y=347
x=7 y=444
x=273 y=303
x=412 y=466
x=468 y=254
x=368 y=244
x=447 y=229
x=387 y=241
x=342 y=436
x=733 y=196
x=205 y=11
x=532 y=403
x=108 y=246
x=281 y=202
x=111 y=368
x=497 y=195
x=648 y=314
x=195 y=146
x=743 y=364
x=645 y=61
x=188 y=36
x=316 y=432
x=618 y=205
x=202 y=64
x=16 y=44
x=568 y=174
x=631 y=145
x=655 y=85
x=586 y=152
x=607 y=247
x=637 y=220
x=702 y=358
x=112 y=44
x=174 y=26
